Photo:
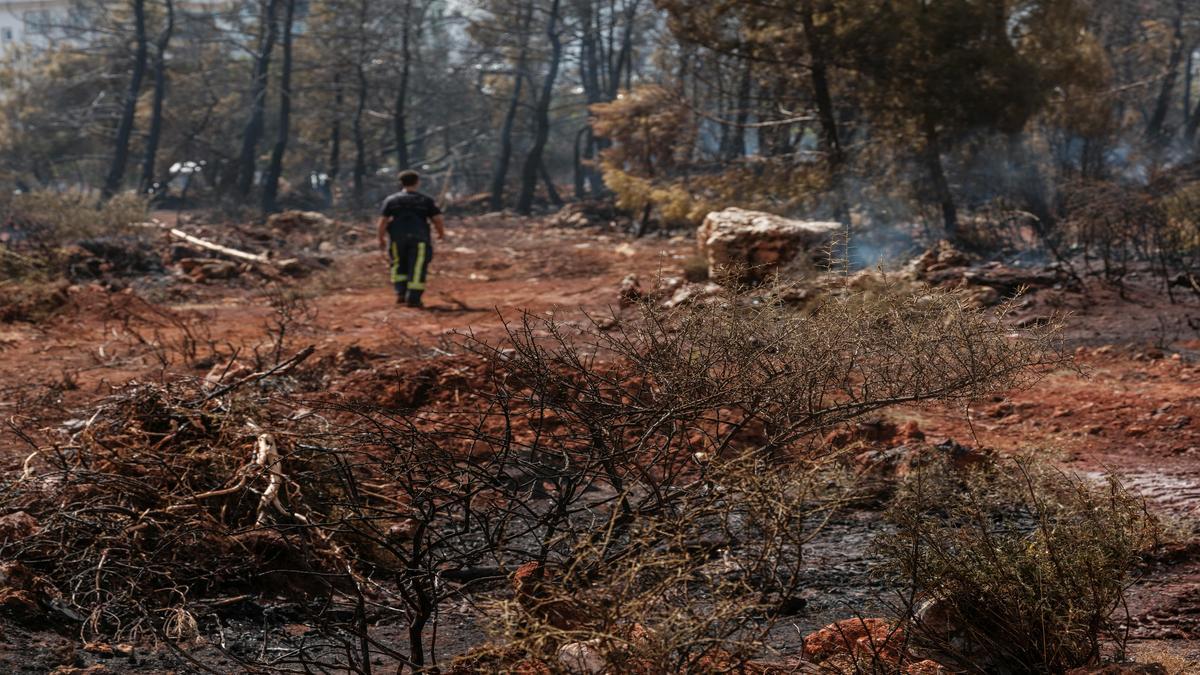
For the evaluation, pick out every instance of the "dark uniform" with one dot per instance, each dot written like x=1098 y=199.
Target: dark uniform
x=410 y=246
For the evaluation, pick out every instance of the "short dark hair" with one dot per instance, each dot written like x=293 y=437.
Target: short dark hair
x=409 y=178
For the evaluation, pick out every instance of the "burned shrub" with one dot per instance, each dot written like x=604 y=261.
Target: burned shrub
x=163 y=497
x=48 y=239
x=48 y=220
x=674 y=459
x=1015 y=567
x=654 y=482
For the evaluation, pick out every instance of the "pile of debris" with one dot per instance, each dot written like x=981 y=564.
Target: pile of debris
x=93 y=259
x=203 y=258
x=987 y=283
x=162 y=500
x=600 y=215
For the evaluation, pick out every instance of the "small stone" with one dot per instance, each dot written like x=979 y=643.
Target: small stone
x=582 y=658
x=630 y=291
x=16 y=526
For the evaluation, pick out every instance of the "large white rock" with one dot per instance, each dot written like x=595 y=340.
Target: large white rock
x=758 y=243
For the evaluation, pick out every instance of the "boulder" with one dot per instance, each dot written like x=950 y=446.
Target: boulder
x=754 y=244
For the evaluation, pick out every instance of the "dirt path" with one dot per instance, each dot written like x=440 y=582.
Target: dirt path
x=483 y=271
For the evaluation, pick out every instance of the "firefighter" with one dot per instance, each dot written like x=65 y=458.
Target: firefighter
x=404 y=224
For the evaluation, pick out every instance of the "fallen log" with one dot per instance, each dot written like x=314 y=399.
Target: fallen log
x=257 y=258
x=176 y=233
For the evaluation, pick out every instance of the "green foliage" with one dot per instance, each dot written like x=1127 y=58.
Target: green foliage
x=32 y=264
x=1021 y=568
x=651 y=166
x=52 y=219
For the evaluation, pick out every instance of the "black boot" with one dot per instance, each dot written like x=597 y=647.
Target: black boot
x=413 y=299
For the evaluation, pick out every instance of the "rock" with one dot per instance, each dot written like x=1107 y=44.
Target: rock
x=666 y=286
x=582 y=658
x=537 y=594
x=984 y=296
x=299 y=220
x=101 y=649
x=866 y=637
x=201 y=269
x=753 y=243
x=630 y=291
x=74 y=670
x=941 y=256
x=693 y=293
x=16 y=526
x=20 y=604
x=24 y=595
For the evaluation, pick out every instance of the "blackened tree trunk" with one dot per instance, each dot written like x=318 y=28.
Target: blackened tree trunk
x=1191 y=115
x=399 y=115
x=1158 y=119
x=541 y=120
x=253 y=130
x=360 y=141
x=335 y=134
x=580 y=172
x=154 y=134
x=733 y=141
x=270 y=201
x=830 y=137
x=116 y=169
x=500 y=172
x=1188 y=72
x=932 y=157
x=551 y=190
x=589 y=75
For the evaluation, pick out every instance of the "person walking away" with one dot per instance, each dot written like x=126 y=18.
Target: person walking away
x=404 y=224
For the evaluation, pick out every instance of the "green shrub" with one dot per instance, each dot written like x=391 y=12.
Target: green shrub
x=1016 y=568
x=51 y=219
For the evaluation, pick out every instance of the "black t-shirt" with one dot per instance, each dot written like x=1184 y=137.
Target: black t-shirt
x=409 y=213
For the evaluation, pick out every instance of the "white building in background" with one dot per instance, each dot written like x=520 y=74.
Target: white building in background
x=23 y=21
x=29 y=21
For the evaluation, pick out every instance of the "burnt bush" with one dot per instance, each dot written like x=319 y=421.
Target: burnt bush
x=1016 y=567
x=649 y=487
x=48 y=238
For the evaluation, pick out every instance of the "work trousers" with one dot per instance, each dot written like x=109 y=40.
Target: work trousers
x=410 y=261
